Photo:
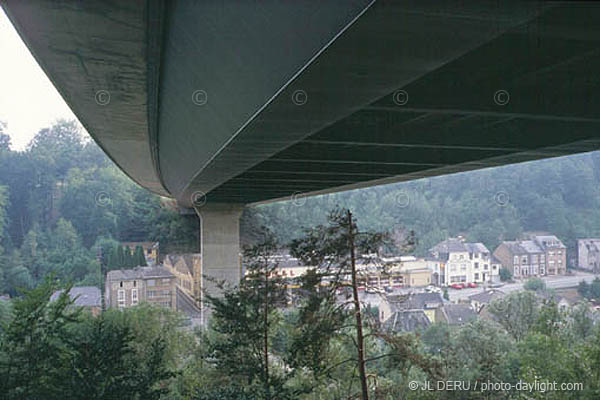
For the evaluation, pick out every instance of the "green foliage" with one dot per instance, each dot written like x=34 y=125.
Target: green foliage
x=51 y=350
x=517 y=312
x=245 y=321
x=534 y=284
x=590 y=291
x=464 y=203
x=60 y=196
x=139 y=258
x=505 y=274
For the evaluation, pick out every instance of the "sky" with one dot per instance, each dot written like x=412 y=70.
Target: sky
x=28 y=100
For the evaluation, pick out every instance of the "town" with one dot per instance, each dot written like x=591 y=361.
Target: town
x=453 y=284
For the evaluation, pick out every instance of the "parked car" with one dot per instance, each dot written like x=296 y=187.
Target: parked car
x=457 y=286
x=433 y=289
x=472 y=285
x=389 y=289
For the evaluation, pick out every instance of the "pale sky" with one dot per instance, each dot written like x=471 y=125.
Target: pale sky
x=28 y=100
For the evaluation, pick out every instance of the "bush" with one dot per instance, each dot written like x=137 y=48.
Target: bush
x=535 y=284
x=505 y=274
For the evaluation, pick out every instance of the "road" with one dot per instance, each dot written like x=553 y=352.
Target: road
x=552 y=282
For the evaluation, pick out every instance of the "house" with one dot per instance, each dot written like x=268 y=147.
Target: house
x=463 y=262
x=428 y=303
x=588 y=254
x=187 y=269
x=151 y=252
x=88 y=297
x=458 y=314
x=407 y=321
x=555 y=252
x=563 y=303
x=539 y=255
x=480 y=300
x=129 y=287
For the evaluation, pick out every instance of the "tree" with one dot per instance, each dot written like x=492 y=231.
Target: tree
x=4 y=138
x=517 y=312
x=245 y=320
x=505 y=274
x=583 y=289
x=334 y=250
x=34 y=345
x=535 y=284
x=139 y=257
x=594 y=292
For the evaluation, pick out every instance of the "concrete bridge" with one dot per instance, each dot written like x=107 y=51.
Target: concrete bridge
x=220 y=104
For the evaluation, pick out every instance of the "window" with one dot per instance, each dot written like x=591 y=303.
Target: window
x=476 y=265
x=485 y=267
x=121 y=297
x=134 y=283
x=524 y=260
x=134 y=297
x=550 y=253
x=151 y=282
x=516 y=260
x=121 y=284
x=476 y=276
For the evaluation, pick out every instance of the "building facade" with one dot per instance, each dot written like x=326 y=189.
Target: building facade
x=540 y=255
x=129 y=287
x=187 y=269
x=462 y=262
x=588 y=254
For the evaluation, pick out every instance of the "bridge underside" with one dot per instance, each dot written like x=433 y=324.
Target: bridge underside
x=244 y=102
x=255 y=101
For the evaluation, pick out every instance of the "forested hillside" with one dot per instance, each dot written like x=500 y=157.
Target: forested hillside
x=62 y=197
x=559 y=195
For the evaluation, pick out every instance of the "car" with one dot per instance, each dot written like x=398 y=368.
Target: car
x=457 y=286
x=472 y=285
x=433 y=289
x=389 y=289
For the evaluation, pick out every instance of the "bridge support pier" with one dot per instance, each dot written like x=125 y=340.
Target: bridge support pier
x=219 y=246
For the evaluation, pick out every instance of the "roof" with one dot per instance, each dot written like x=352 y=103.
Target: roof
x=186 y=305
x=522 y=247
x=549 y=241
x=145 y=245
x=187 y=259
x=590 y=244
x=550 y=296
x=476 y=247
x=455 y=245
x=407 y=321
x=85 y=296
x=449 y=245
x=139 y=273
x=415 y=301
x=487 y=296
x=457 y=314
